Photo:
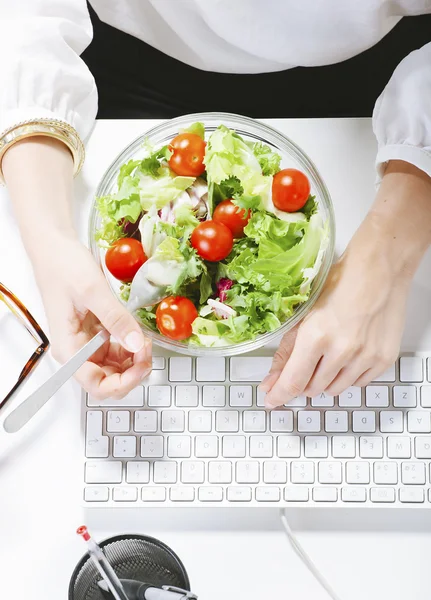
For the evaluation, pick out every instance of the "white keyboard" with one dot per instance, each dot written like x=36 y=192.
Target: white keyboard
x=196 y=433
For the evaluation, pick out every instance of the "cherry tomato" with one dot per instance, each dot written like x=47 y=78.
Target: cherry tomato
x=188 y=155
x=233 y=217
x=124 y=258
x=174 y=317
x=290 y=190
x=213 y=241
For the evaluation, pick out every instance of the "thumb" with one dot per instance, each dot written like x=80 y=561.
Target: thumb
x=280 y=359
x=116 y=318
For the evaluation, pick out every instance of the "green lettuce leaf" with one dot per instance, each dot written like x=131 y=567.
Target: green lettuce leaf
x=152 y=164
x=268 y=159
x=166 y=188
x=196 y=128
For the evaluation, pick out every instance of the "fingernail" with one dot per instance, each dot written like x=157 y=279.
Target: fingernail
x=134 y=341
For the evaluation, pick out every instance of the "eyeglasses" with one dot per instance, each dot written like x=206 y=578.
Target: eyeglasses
x=17 y=308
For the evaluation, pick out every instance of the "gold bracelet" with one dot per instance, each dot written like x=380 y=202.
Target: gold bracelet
x=60 y=130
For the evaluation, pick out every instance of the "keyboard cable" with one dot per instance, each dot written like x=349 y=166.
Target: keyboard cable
x=305 y=558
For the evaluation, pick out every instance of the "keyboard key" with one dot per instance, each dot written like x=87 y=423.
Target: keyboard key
x=173 y=420
x=388 y=375
x=158 y=363
x=96 y=493
x=214 y=395
x=153 y=494
x=309 y=420
x=357 y=472
x=296 y=494
x=385 y=472
x=179 y=446
x=145 y=421
x=261 y=446
x=370 y=446
x=133 y=398
x=382 y=494
x=422 y=447
x=404 y=396
x=124 y=446
x=299 y=401
x=364 y=421
x=322 y=399
x=247 y=471
x=220 y=471
x=233 y=446
x=412 y=495
x=165 y=472
x=288 y=446
x=96 y=444
x=210 y=494
x=268 y=494
x=180 y=368
x=377 y=396
x=186 y=395
x=138 y=472
x=206 y=446
x=159 y=395
x=254 y=420
x=239 y=493
x=281 y=420
x=336 y=421
x=413 y=473
x=118 y=421
x=200 y=421
x=260 y=398
x=399 y=447
x=411 y=368
x=329 y=472
x=152 y=446
x=343 y=446
x=249 y=368
x=125 y=494
x=426 y=393
x=192 y=471
x=353 y=494
x=419 y=421
x=302 y=472
x=391 y=421
x=241 y=395
x=274 y=471
x=182 y=494
x=103 y=471
x=316 y=446
x=351 y=398
x=325 y=494
x=227 y=420
x=210 y=369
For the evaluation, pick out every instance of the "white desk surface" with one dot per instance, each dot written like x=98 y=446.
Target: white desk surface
x=40 y=468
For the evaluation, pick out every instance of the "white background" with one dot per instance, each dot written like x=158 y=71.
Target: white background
x=235 y=555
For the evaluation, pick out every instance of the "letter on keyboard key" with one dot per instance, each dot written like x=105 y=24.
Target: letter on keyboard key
x=324 y=494
x=343 y=446
x=159 y=395
x=133 y=398
x=97 y=447
x=124 y=446
x=309 y=420
x=350 y=398
x=227 y=420
x=418 y=421
x=399 y=447
x=214 y=395
x=382 y=494
x=165 y=472
x=364 y=421
x=261 y=446
x=151 y=446
x=103 y=471
x=192 y=471
x=423 y=447
x=411 y=368
x=377 y=396
x=329 y=472
x=96 y=493
x=370 y=446
x=210 y=369
x=316 y=446
x=413 y=473
x=125 y=494
x=249 y=368
x=297 y=493
x=353 y=494
x=254 y=420
x=233 y=446
x=267 y=494
x=322 y=399
x=179 y=446
x=247 y=471
x=241 y=395
x=145 y=421
x=200 y=421
x=274 y=471
x=391 y=421
x=288 y=446
x=336 y=421
x=426 y=391
x=302 y=472
x=281 y=420
x=357 y=472
x=173 y=421
x=239 y=493
x=412 y=495
x=118 y=421
x=186 y=395
x=180 y=368
x=385 y=472
x=206 y=446
x=210 y=494
x=182 y=494
x=220 y=471
x=404 y=396
x=138 y=472
x=388 y=375
x=153 y=494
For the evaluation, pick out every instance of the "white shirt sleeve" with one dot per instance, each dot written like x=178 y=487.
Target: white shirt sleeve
x=402 y=115
x=41 y=72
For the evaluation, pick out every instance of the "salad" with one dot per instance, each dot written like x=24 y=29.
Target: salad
x=213 y=242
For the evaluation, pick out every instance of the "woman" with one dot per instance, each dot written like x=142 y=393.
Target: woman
x=354 y=331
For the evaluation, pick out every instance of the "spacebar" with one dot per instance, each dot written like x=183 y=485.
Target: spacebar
x=249 y=368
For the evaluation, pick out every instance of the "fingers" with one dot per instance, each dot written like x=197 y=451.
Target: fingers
x=280 y=358
x=101 y=384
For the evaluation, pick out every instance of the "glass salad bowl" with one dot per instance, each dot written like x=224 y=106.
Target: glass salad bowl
x=251 y=131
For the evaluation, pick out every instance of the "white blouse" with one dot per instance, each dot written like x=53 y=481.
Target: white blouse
x=42 y=74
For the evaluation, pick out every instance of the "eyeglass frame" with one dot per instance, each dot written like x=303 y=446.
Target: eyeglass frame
x=12 y=302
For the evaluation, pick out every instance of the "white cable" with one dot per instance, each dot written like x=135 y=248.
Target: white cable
x=305 y=558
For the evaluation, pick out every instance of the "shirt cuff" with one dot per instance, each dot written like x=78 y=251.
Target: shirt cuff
x=419 y=157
